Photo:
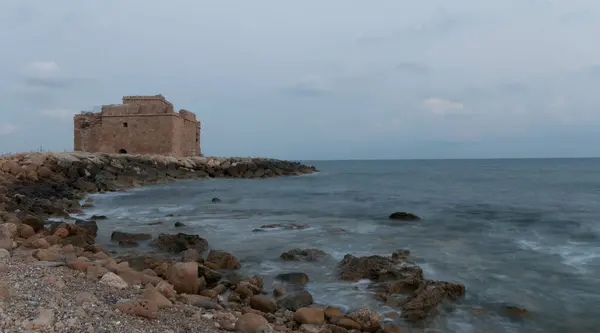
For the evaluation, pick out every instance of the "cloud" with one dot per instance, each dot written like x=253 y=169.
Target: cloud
x=442 y=107
x=44 y=73
x=58 y=113
x=7 y=129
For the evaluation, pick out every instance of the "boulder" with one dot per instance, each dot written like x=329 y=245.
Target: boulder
x=118 y=236
x=263 y=303
x=369 y=321
x=310 y=316
x=190 y=255
x=296 y=301
x=298 y=278
x=184 y=277
x=153 y=295
x=113 y=280
x=251 y=323
x=221 y=260
x=303 y=254
x=428 y=297
x=180 y=242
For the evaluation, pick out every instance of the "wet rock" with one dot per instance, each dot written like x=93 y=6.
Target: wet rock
x=310 y=316
x=33 y=221
x=431 y=294
x=277 y=226
x=391 y=328
x=98 y=217
x=346 y=323
x=221 y=260
x=303 y=254
x=90 y=227
x=119 y=236
x=332 y=312
x=296 y=301
x=278 y=292
x=128 y=243
x=515 y=311
x=293 y=278
x=370 y=321
x=377 y=268
x=263 y=303
x=184 y=277
x=179 y=224
x=180 y=242
x=215 y=200
x=404 y=216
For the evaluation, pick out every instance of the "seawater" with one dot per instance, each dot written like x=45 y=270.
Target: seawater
x=515 y=232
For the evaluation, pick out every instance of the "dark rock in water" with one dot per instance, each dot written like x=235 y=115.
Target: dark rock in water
x=98 y=217
x=156 y=223
x=293 y=278
x=180 y=242
x=129 y=242
x=215 y=200
x=303 y=254
x=353 y=268
x=118 y=236
x=179 y=224
x=296 y=301
x=515 y=311
x=428 y=297
x=91 y=227
x=404 y=216
x=289 y=226
x=222 y=260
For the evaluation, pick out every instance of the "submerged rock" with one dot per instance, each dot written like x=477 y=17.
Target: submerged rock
x=404 y=216
x=303 y=254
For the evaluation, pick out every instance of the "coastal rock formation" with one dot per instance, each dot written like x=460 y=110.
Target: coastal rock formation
x=50 y=184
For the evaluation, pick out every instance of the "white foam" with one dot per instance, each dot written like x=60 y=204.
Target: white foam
x=573 y=254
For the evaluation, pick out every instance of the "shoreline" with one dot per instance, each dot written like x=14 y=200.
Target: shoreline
x=38 y=186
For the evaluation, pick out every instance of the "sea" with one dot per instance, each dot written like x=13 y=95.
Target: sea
x=515 y=232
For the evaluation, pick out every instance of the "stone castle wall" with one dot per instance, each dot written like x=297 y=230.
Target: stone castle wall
x=144 y=125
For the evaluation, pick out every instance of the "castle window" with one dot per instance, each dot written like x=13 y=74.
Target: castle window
x=125 y=125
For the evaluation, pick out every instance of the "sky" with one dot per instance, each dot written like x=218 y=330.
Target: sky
x=336 y=79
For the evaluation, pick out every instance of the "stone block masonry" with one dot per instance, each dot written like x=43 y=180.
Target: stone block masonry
x=141 y=125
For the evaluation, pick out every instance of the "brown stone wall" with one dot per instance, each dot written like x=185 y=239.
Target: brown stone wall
x=142 y=125
x=138 y=134
x=88 y=129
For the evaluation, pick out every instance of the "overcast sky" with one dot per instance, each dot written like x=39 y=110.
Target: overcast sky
x=314 y=79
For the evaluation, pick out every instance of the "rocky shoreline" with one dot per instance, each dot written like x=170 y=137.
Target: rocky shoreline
x=199 y=291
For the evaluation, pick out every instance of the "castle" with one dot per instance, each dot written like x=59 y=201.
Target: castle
x=145 y=125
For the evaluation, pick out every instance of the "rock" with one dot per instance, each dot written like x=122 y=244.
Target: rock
x=210 y=275
x=215 y=200
x=150 y=293
x=6 y=242
x=166 y=289
x=25 y=231
x=119 y=236
x=180 y=242
x=515 y=311
x=179 y=224
x=113 y=280
x=293 y=278
x=296 y=301
x=190 y=255
x=90 y=227
x=44 y=319
x=251 y=323
x=98 y=217
x=289 y=226
x=140 y=307
x=4 y=255
x=263 y=304
x=33 y=221
x=311 y=316
x=94 y=272
x=61 y=233
x=303 y=254
x=428 y=297
x=47 y=254
x=184 y=277
x=346 y=323
x=331 y=312
x=391 y=328
x=370 y=321
x=404 y=216
x=278 y=292
x=221 y=260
